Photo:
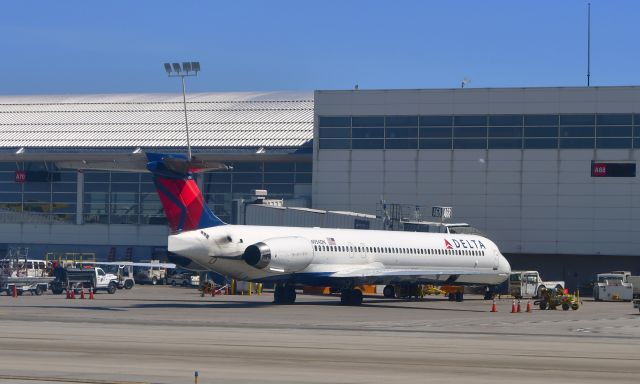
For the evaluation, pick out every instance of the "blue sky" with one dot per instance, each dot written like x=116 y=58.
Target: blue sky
x=120 y=45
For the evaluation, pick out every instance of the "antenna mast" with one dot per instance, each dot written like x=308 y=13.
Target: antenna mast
x=588 y=44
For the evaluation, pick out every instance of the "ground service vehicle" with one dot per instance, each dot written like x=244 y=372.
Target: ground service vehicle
x=26 y=275
x=185 y=279
x=613 y=286
x=636 y=303
x=528 y=284
x=553 y=298
x=92 y=278
x=150 y=275
x=125 y=277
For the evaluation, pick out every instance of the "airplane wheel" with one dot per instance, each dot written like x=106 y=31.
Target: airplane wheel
x=351 y=297
x=284 y=294
x=452 y=296
x=290 y=294
x=389 y=291
x=345 y=297
x=356 y=297
x=277 y=295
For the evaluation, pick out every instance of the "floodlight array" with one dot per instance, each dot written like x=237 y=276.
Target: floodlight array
x=187 y=68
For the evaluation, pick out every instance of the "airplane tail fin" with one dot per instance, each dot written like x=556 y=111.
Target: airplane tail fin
x=181 y=198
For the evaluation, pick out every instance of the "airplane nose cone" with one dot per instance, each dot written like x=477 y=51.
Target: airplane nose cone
x=188 y=245
x=505 y=267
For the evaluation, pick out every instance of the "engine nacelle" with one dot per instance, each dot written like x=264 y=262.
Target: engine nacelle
x=281 y=254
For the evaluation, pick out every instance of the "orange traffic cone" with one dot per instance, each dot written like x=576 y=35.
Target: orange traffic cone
x=73 y=293
x=82 y=293
x=529 y=306
x=15 y=291
x=494 y=308
x=90 y=293
x=519 y=308
x=68 y=294
x=513 y=307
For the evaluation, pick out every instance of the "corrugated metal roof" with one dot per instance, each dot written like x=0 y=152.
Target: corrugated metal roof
x=216 y=120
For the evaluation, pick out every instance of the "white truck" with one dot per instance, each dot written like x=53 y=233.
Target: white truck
x=153 y=275
x=26 y=275
x=529 y=284
x=76 y=278
x=616 y=286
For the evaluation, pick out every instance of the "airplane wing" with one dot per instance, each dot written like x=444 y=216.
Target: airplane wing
x=134 y=264
x=136 y=163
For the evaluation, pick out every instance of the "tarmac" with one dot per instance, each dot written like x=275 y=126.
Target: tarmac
x=164 y=334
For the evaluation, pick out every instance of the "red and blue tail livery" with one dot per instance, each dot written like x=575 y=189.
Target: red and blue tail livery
x=181 y=198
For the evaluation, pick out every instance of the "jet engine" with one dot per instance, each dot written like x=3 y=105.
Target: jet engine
x=280 y=254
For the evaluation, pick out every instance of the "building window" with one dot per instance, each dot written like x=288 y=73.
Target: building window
x=335 y=144
x=367 y=143
x=576 y=143
x=613 y=142
x=505 y=143
x=334 y=121
x=470 y=131
x=469 y=144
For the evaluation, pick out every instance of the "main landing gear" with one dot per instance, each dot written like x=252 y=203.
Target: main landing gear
x=351 y=296
x=284 y=294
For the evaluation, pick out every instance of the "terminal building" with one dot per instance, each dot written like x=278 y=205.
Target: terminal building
x=548 y=173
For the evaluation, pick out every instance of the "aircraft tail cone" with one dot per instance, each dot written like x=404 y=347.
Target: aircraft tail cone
x=529 y=306
x=494 y=308
x=513 y=307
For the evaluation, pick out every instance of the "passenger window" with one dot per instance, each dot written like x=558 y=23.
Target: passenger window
x=315 y=247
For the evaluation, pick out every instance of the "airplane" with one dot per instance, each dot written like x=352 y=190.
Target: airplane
x=291 y=256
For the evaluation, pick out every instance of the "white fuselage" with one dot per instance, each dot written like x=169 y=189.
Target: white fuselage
x=220 y=249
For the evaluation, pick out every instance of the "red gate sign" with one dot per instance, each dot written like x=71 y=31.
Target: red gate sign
x=599 y=169
x=21 y=176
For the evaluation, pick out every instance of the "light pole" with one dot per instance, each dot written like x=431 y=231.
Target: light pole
x=188 y=68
